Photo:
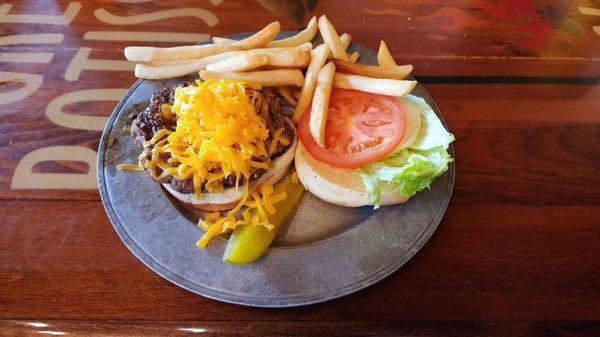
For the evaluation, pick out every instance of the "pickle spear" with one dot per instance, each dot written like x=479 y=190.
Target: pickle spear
x=247 y=243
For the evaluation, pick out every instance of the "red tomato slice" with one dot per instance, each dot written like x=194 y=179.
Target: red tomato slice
x=361 y=128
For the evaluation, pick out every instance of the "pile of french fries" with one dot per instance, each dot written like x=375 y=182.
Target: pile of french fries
x=280 y=63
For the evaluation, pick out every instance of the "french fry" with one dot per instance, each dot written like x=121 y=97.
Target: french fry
x=223 y=40
x=397 y=72
x=293 y=57
x=354 y=57
x=165 y=69
x=332 y=39
x=171 y=62
x=241 y=62
x=319 y=58
x=308 y=45
x=384 y=58
x=305 y=35
x=382 y=86
x=261 y=38
x=150 y=54
x=159 y=72
x=286 y=93
x=267 y=78
x=345 y=39
x=320 y=103
x=288 y=57
x=218 y=58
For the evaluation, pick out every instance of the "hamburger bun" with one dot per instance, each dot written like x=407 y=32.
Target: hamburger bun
x=230 y=197
x=344 y=187
x=335 y=185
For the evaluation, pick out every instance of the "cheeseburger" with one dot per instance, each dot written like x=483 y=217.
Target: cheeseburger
x=211 y=144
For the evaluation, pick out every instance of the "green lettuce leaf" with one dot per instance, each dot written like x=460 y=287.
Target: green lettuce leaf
x=414 y=168
x=432 y=132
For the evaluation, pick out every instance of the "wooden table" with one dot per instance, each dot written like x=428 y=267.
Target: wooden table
x=517 y=252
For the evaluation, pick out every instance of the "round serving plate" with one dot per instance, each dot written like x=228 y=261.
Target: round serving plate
x=326 y=251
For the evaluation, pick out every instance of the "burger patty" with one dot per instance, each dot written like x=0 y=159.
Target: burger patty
x=149 y=121
x=277 y=118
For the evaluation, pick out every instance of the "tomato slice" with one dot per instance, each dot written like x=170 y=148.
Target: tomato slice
x=361 y=128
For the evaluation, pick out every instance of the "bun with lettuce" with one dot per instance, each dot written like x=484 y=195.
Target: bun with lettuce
x=378 y=150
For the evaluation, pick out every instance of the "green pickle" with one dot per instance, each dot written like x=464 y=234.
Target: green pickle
x=247 y=243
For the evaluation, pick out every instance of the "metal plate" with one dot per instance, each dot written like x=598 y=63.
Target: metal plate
x=325 y=253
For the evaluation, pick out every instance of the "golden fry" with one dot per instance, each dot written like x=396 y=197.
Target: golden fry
x=320 y=103
x=345 y=39
x=332 y=39
x=305 y=35
x=384 y=58
x=397 y=72
x=223 y=40
x=152 y=72
x=267 y=78
x=319 y=58
x=150 y=54
x=241 y=62
x=293 y=57
x=261 y=38
x=382 y=86
x=166 y=69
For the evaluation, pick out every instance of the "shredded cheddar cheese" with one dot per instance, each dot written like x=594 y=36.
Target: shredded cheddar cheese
x=218 y=134
x=257 y=213
x=129 y=167
x=220 y=131
x=278 y=138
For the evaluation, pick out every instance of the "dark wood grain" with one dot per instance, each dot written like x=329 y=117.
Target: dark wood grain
x=515 y=255
x=296 y=329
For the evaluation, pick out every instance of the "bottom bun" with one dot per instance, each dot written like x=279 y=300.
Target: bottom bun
x=338 y=186
x=230 y=197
